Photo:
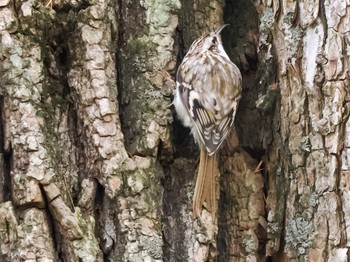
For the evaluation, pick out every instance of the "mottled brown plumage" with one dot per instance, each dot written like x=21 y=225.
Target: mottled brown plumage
x=208 y=88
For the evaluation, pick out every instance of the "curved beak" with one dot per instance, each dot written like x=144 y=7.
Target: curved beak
x=218 y=31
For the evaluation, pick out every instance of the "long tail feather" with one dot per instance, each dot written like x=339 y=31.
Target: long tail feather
x=205 y=190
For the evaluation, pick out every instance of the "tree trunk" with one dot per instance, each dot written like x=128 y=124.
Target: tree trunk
x=306 y=162
x=96 y=167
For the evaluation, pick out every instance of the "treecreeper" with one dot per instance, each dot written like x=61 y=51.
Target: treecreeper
x=208 y=89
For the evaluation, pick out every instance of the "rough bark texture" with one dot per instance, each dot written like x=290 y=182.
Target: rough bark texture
x=94 y=165
x=307 y=162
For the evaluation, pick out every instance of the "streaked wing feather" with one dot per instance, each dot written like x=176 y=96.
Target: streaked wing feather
x=211 y=133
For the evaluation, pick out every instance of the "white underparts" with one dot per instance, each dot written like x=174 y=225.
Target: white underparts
x=181 y=110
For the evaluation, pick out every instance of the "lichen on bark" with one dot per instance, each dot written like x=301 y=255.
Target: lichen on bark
x=94 y=165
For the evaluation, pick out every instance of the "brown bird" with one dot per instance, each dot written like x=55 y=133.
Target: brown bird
x=208 y=89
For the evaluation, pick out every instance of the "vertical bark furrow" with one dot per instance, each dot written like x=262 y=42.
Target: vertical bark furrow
x=146 y=60
x=242 y=222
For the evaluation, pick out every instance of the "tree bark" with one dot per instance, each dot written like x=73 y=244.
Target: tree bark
x=307 y=219
x=96 y=167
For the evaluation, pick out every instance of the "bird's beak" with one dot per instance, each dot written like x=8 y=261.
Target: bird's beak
x=218 y=31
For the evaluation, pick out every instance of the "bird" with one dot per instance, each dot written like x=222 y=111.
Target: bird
x=208 y=90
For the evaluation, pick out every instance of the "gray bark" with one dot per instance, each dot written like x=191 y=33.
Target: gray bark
x=94 y=165
x=307 y=218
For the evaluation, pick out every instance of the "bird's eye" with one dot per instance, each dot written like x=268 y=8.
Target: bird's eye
x=214 y=40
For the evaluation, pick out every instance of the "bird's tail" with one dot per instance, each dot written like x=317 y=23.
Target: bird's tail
x=205 y=190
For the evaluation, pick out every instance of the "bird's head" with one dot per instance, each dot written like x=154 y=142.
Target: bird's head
x=209 y=42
